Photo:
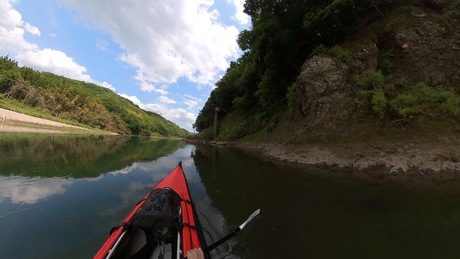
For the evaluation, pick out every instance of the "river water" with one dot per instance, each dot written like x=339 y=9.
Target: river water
x=60 y=196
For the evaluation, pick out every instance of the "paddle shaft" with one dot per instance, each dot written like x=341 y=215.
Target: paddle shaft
x=222 y=240
x=231 y=234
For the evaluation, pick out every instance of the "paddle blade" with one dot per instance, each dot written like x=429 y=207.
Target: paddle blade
x=253 y=215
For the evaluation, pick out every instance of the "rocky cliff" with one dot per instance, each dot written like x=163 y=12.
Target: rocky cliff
x=414 y=46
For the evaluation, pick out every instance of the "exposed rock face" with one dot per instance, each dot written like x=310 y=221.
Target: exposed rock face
x=423 y=44
x=323 y=91
x=364 y=55
x=424 y=47
x=427 y=44
x=327 y=98
x=437 y=5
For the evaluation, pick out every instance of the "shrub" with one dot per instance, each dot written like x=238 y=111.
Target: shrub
x=320 y=49
x=334 y=51
x=423 y=99
x=370 y=79
x=379 y=102
x=385 y=62
x=375 y=99
x=420 y=98
x=339 y=52
x=363 y=97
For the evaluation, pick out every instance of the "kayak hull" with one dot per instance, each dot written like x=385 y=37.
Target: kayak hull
x=164 y=222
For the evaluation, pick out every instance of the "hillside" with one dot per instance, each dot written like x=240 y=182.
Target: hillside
x=50 y=96
x=378 y=84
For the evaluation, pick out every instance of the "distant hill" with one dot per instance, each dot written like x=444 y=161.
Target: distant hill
x=79 y=102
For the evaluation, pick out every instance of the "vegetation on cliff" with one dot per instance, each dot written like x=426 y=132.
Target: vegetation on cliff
x=333 y=64
x=77 y=101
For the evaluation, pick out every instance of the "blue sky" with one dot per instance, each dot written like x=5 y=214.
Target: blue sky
x=165 y=56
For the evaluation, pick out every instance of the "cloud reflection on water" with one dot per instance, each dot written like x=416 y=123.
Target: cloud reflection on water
x=106 y=199
x=30 y=190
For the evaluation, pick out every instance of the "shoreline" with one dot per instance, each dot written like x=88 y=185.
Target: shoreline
x=407 y=158
x=426 y=157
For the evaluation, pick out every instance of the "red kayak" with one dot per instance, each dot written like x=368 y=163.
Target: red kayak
x=164 y=224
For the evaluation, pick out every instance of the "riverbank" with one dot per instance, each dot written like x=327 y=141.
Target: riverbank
x=423 y=157
x=393 y=158
x=11 y=121
x=396 y=158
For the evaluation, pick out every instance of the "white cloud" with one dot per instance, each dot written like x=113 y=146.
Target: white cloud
x=148 y=87
x=165 y=99
x=191 y=97
x=191 y=102
x=31 y=29
x=239 y=16
x=107 y=85
x=54 y=61
x=133 y=99
x=12 y=43
x=179 y=116
x=12 y=30
x=10 y=18
x=164 y=40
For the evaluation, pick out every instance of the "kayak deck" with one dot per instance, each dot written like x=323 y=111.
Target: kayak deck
x=134 y=245
x=164 y=224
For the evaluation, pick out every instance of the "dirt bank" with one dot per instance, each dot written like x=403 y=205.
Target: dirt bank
x=407 y=158
x=17 y=122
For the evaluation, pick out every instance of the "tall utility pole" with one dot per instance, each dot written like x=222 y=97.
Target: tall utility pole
x=216 y=115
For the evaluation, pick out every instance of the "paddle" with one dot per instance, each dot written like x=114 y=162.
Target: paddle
x=231 y=234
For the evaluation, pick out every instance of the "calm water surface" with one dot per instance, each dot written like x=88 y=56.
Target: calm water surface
x=60 y=195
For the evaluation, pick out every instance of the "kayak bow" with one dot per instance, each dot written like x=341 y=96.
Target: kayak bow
x=164 y=224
